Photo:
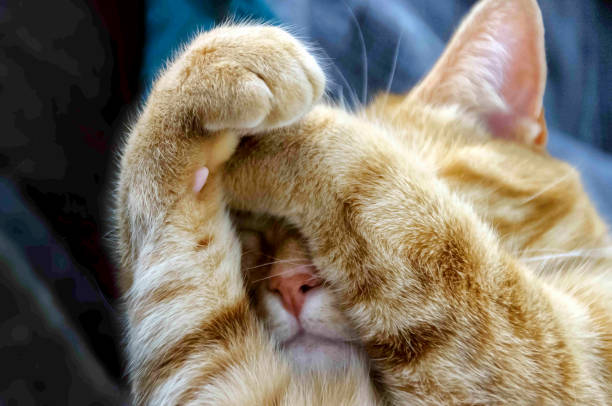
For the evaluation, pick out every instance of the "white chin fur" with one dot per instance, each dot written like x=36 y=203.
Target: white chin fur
x=322 y=340
x=311 y=352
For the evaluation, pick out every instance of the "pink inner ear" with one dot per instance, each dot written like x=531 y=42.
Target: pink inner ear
x=494 y=66
x=525 y=72
x=501 y=124
x=201 y=176
x=511 y=126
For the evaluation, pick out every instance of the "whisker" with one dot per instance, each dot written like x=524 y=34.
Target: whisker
x=546 y=188
x=248 y=252
x=393 y=68
x=543 y=250
x=272 y=257
x=593 y=253
x=291 y=261
x=312 y=278
x=296 y=261
x=364 y=55
x=352 y=92
x=288 y=271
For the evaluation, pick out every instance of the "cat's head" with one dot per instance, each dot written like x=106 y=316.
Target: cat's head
x=297 y=308
x=478 y=119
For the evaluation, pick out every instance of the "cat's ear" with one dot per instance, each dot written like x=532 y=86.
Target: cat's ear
x=495 y=66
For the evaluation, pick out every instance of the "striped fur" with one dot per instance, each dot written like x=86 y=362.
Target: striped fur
x=439 y=242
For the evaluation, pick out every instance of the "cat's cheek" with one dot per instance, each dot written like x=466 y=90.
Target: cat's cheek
x=282 y=325
x=321 y=316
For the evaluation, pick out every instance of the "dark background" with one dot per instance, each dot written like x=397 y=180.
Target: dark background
x=72 y=73
x=69 y=73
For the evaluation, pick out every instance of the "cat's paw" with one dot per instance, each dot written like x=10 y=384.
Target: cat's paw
x=244 y=77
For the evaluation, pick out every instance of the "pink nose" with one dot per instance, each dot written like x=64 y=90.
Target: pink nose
x=292 y=286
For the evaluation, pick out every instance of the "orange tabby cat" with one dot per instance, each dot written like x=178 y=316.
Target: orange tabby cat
x=435 y=254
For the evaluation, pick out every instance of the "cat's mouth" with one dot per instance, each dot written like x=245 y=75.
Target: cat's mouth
x=309 y=350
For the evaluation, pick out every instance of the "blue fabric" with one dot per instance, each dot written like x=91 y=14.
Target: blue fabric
x=578 y=47
x=403 y=39
x=594 y=165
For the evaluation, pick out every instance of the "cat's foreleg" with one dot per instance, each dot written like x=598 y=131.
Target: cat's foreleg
x=191 y=336
x=444 y=313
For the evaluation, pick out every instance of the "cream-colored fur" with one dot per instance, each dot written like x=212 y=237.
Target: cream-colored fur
x=436 y=221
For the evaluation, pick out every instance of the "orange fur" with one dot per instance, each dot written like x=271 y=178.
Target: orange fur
x=436 y=230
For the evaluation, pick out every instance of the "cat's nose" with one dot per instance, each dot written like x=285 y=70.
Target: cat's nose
x=293 y=286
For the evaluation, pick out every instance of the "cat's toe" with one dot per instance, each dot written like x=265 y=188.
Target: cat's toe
x=245 y=77
x=290 y=72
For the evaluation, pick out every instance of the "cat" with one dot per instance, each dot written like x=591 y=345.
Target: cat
x=430 y=248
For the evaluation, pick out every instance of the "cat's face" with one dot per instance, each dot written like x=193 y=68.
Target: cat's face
x=477 y=122
x=296 y=307
x=531 y=200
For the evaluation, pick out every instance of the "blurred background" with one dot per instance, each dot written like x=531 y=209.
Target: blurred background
x=72 y=74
